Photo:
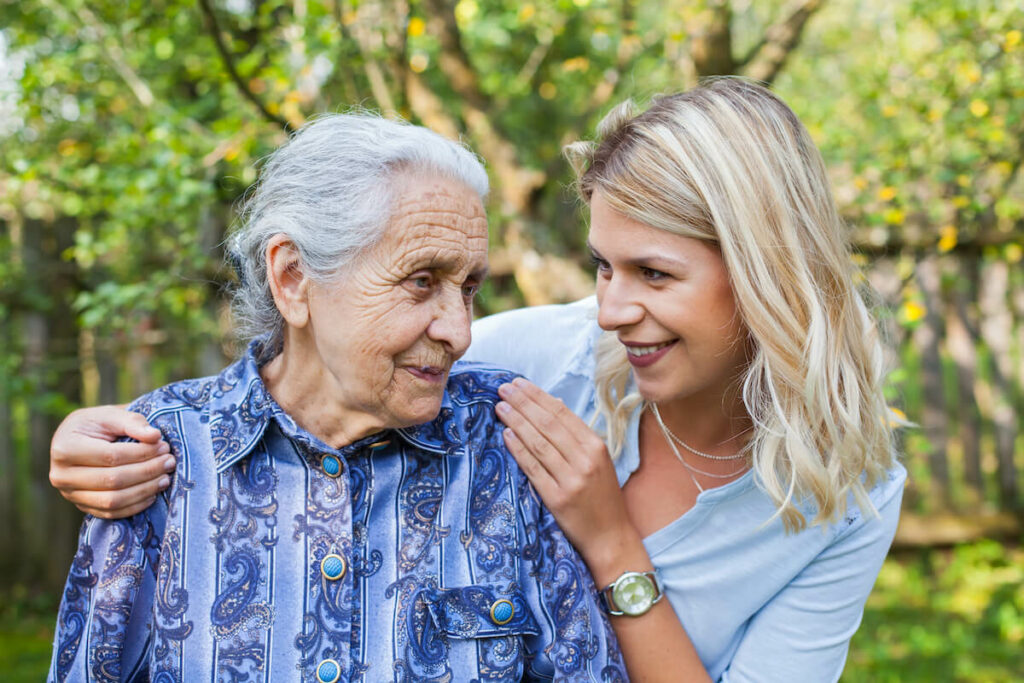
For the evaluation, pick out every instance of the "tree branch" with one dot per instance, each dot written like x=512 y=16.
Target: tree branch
x=711 y=49
x=111 y=49
x=213 y=27
x=767 y=59
x=453 y=60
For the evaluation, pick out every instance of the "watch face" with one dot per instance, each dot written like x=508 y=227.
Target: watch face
x=633 y=594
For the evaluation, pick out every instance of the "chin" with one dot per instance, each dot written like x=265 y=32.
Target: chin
x=418 y=411
x=654 y=392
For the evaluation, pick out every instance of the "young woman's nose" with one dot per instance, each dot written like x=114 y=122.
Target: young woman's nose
x=618 y=304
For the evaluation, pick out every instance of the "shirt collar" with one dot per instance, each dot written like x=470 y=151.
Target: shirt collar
x=241 y=408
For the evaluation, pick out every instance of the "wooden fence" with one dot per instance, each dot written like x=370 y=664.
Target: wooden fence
x=958 y=333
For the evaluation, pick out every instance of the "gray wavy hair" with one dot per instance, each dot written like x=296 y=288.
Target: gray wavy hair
x=330 y=189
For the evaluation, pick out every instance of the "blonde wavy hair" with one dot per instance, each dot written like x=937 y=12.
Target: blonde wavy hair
x=728 y=162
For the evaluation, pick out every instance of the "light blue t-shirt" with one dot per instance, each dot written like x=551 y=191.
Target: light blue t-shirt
x=759 y=604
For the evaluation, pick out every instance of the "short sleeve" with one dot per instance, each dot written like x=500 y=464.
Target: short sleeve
x=103 y=624
x=804 y=632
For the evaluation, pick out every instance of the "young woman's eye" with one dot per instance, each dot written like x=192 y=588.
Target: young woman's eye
x=600 y=264
x=652 y=274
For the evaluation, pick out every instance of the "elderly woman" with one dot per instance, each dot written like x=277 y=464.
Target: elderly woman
x=343 y=507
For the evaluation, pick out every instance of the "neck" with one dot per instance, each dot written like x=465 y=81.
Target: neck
x=308 y=392
x=720 y=427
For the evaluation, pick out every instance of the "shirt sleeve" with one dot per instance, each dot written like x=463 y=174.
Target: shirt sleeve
x=804 y=632
x=577 y=642
x=103 y=624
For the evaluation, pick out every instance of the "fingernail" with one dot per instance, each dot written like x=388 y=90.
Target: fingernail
x=170 y=464
x=506 y=390
x=502 y=407
x=519 y=382
x=164 y=447
x=164 y=482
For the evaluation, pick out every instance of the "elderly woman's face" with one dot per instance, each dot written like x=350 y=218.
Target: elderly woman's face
x=389 y=330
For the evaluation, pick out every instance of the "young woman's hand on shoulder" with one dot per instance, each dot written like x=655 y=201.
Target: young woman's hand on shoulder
x=569 y=466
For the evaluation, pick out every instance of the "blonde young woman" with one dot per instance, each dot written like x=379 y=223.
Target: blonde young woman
x=711 y=433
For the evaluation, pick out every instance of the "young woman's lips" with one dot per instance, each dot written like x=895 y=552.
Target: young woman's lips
x=642 y=355
x=428 y=373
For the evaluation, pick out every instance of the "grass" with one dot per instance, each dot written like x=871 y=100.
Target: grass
x=935 y=615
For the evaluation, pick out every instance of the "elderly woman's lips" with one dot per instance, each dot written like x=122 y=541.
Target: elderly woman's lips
x=429 y=373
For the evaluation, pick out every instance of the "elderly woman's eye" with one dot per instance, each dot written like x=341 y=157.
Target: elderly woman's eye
x=469 y=290
x=422 y=281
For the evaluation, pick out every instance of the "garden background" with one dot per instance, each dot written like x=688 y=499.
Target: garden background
x=129 y=129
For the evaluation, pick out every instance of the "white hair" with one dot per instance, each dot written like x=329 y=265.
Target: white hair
x=330 y=189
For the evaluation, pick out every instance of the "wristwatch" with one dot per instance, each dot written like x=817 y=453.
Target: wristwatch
x=632 y=594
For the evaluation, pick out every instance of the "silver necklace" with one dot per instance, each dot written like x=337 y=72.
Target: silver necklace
x=673 y=437
x=690 y=469
x=664 y=431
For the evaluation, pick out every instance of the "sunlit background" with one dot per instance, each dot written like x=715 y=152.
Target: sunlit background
x=128 y=129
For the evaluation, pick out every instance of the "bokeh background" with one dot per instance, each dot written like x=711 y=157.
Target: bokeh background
x=129 y=129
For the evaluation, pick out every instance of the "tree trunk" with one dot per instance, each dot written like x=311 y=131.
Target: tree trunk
x=962 y=340
x=51 y=360
x=996 y=329
x=926 y=340
x=8 y=470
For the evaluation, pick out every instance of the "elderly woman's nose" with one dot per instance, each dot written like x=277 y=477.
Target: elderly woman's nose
x=451 y=323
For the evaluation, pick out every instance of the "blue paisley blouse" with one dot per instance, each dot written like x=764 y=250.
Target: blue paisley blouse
x=417 y=554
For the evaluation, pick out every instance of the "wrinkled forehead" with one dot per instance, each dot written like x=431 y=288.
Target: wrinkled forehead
x=438 y=220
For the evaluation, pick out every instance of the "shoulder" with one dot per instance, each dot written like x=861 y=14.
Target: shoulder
x=196 y=394
x=541 y=342
x=476 y=381
x=467 y=411
x=187 y=395
x=886 y=497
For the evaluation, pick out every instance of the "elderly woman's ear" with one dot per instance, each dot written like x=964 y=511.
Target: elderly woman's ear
x=288 y=283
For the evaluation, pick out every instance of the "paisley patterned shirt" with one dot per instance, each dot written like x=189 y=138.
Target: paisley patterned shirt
x=417 y=554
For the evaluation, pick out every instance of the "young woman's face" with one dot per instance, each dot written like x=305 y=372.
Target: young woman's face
x=669 y=301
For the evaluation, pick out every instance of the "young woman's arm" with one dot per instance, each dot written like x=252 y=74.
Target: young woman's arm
x=568 y=465
x=103 y=475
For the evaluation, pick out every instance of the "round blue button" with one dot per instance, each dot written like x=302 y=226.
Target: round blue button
x=502 y=612
x=332 y=567
x=328 y=671
x=331 y=465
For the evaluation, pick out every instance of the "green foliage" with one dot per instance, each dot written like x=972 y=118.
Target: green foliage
x=924 y=129
x=939 y=615
x=129 y=130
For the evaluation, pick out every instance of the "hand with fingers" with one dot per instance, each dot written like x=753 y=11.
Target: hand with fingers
x=103 y=476
x=569 y=466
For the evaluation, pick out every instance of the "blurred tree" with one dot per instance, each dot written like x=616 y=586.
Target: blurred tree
x=128 y=129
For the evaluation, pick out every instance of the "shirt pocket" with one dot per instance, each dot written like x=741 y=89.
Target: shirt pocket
x=479 y=611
